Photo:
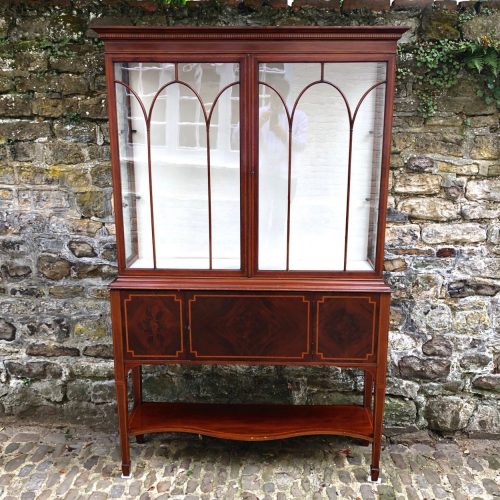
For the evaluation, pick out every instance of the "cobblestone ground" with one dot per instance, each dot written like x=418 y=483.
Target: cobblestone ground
x=70 y=462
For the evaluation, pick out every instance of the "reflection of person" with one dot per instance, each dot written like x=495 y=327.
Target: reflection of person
x=273 y=164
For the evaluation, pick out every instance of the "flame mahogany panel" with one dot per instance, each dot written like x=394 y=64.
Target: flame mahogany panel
x=153 y=325
x=346 y=327
x=247 y=326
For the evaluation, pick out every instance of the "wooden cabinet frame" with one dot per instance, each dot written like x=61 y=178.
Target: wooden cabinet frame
x=249 y=315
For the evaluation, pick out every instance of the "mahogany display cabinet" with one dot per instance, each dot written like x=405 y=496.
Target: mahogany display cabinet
x=250 y=171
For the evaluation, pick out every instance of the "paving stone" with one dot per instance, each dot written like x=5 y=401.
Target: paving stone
x=491 y=487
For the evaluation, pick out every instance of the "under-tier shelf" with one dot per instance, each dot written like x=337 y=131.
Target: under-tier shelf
x=251 y=422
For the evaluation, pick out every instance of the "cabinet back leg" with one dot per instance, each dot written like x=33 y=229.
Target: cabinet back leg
x=137 y=391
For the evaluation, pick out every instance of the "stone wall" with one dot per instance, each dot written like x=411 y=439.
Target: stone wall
x=57 y=237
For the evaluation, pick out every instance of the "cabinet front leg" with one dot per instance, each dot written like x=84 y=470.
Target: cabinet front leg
x=378 y=417
x=121 y=399
x=137 y=391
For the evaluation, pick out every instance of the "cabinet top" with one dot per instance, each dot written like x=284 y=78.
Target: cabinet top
x=259 y=33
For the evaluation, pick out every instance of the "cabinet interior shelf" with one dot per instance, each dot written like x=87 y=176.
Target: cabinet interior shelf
x=252 y=422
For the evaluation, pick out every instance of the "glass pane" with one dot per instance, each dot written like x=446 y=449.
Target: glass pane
x=303 y=193
x=355 y=79
x=195 y=178
x=132 y=140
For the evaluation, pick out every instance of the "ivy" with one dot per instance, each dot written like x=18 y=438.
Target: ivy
x=435 y=67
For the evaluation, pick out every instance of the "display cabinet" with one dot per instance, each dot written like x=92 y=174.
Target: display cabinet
x=250 y=171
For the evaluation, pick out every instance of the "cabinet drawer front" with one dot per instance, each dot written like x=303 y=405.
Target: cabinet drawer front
x=153 y=325
x=249 y=327
x=346 y=328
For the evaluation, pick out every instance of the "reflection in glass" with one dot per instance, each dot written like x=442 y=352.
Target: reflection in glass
x=195 y=179
x=306 y=221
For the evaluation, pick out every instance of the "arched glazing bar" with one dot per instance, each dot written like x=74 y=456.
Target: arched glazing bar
x=351 y=119
x=207 y=117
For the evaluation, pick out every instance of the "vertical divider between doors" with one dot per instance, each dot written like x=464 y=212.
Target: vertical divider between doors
x=251 y=124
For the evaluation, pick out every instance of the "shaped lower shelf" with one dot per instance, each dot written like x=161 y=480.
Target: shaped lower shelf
x=251 y=422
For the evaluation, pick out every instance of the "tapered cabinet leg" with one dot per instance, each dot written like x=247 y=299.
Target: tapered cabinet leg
x=121 y=399
x=380 y=383
x=137 y=391
x=120 y=381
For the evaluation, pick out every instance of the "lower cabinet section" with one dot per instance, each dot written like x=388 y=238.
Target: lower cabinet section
x=346 y=329
x=264 y=327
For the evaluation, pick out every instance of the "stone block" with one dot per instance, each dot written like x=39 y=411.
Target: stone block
x=475 y=361
x=81 y=249
x=483 y=189
x=66 y=153
x=103 y=271
x=7 y=175
x=443 y=143
x=425 y=369
x=53 y=328
x=395 y=265
x=439 y=24
x=318 y=4
x=51 y=350
x=485 y=421
x=24 y=130
x=430 y=317
x=15 y=105
x=101 y=175
x=417 y=184
x=93 y=107
x=108 y=252
x=476 y=211
x=75 y=132
x=453 y=233
x=47 y=107
x=489 y=382
x=481 y=25
x=93 y=369
x=436 y=209
x=410 y=4
x=449 y=413
x=91 y=328
x=486 y=147
x=402 y=235
x=42 y=199
x=102 y=392
x=79 y=390
x=35 y=175
x=458 y=168
x=53 y=267
x=399 y=412
x=99 y=351
x=7 y=330
x=403 y=388
x=472 y=319
x=92 y=204
x=34 y=369
x=16 y=270
x=438 y=346
x=371 y=5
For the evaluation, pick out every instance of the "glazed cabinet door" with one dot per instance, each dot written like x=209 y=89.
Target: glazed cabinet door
x=320 y=140
x=178 y=127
